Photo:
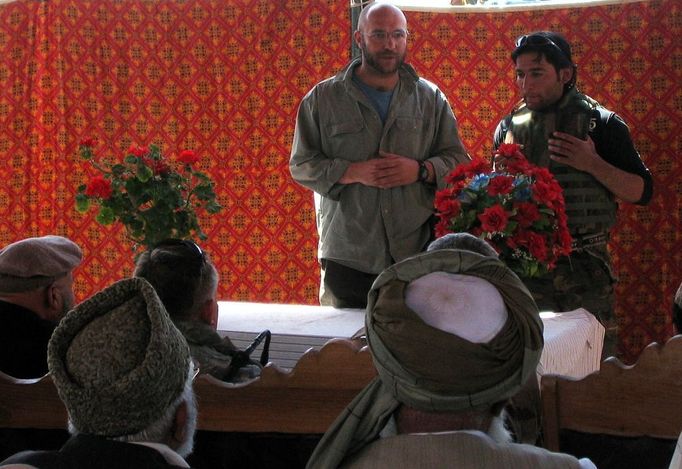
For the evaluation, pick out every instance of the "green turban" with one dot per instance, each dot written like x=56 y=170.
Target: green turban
x=427 y=368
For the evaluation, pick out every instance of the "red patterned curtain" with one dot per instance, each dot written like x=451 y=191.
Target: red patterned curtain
x=225 y=77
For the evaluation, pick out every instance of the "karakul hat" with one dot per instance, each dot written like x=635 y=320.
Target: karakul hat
x=117 y=360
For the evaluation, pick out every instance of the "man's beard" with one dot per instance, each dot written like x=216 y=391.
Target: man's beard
x=372 y=60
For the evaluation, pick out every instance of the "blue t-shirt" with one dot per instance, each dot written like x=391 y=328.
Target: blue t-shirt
x=381 y=100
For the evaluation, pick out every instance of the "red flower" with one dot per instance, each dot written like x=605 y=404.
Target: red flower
x=546 y=193
x=526 y=213
x=99 y=186
x=443 y=195
x=494 y=219
x=566 y=242
x=188 y=157
x=442 y=227
x=464 y=171
x=537 y=246
x=508 y=157
x=508 y=149
x=526 y=222
x=138 y=151
x=478 y=232
x=519 y=240
x=500 y=185
x=158 y=166
x=87 y=142
x=446 y=204
x=449 y=207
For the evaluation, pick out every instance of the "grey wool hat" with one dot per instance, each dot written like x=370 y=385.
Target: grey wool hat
x=117 y=360
x=32 y=258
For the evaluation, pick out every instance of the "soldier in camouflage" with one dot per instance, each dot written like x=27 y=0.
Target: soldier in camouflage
x=590 y=152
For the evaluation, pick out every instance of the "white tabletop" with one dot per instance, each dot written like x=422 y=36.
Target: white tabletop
x=573 y=340
x=573 y=344
x=320 y=321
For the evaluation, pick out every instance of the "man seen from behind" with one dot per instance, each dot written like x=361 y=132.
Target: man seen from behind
x=36 y=291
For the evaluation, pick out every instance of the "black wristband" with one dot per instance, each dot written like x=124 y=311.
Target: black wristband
x=422 y=172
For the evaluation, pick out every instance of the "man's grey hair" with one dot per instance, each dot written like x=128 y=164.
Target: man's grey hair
x=182 y=282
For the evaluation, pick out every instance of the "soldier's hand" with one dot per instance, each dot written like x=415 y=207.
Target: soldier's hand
x=569 y=150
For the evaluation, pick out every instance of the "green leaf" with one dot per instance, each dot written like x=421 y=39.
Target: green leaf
x=511 y=227
x=155 y=152
x=105 y=216
x=213 y=207
x=533 y=269
x=118 y=170
x=86 y=152
x=82 y=203
x=204 y=192
x=144 y=173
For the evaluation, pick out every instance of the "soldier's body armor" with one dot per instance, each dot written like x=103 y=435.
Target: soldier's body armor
x=590 y=207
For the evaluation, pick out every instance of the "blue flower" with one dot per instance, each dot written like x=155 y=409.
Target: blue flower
x=522 y=190
x=479 y=181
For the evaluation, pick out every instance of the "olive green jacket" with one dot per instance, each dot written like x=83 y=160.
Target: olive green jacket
x=364 y=227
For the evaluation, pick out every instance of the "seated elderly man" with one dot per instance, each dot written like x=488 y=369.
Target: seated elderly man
x=453 y=335
x=36 y=290
x=524 y=409
x=186 y=281
x=125 y=374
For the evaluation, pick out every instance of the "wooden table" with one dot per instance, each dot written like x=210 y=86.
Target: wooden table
x=573 y=340
x=295 y=328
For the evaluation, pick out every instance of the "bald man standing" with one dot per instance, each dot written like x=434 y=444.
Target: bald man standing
x=374 y=143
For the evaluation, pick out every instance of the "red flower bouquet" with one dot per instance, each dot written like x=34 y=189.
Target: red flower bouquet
x=517 y=207
x=153 y=197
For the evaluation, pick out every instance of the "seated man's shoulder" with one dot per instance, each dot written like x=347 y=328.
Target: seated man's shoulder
x=88 y=451
x=469 y=449
x=42 y=459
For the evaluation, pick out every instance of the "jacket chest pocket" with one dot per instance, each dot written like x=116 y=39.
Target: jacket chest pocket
x=407 y=137
x=347 y=140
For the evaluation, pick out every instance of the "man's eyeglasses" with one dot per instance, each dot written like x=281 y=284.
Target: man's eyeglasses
x=537 y=40
x=382 y=36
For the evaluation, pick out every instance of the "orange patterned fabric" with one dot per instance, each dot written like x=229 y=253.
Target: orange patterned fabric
x=224 y=77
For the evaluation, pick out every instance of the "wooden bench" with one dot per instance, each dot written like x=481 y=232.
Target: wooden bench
x=639 y=400
x=306 y=399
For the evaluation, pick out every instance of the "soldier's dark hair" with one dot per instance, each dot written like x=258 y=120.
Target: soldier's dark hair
x=552 y=46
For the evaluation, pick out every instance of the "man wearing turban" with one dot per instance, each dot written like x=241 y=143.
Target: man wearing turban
x=453 y=334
